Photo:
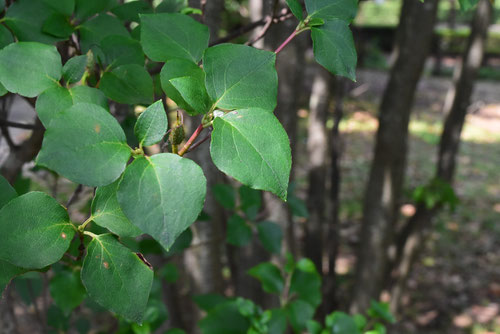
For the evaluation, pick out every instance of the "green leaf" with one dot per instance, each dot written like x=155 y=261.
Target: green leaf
x=269 y=276
x=7 y=273
x=193 y=91
x=332 y=9
x=334 y=48
x=116 y=278
x=178 y=68
x=3 y=91
x=106 y=212
x=209 y=301
x=240 y=76
x=465 y=5
x=168 y=36
x=277 y=324
x=65 y=7
x=239 y=233
x=5 y=37
x=87 y=8
x=67 y=290
x=225 y=195
x=89 y=135
x=314 y=327
x=341 y=323
x=252 y=146
x=121 y=50
x=29 y=68
x=92 y=32
x=225 y=318
x=296 y=9
x=299 y=314
x=130 y=11
x=129 y=84
x=25 y=19
x=271 y=235
x=381 y=311
x=35 y=231
x=162 y=195
x=250 y=201
x=316 y=21
x=306 y=282
x=58 y=25
x=6 y=192
x=74 y=69
x=151 y=125
x=58 y=99
x=171 y=6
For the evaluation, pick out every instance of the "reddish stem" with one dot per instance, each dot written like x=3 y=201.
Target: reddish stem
x=193 y=137
x=285 y=43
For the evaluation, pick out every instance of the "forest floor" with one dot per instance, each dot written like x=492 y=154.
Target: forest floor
x=455 y=287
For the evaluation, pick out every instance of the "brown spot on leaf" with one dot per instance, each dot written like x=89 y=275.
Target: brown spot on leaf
x=105 y=265
x=143 y=259
x=97 y=128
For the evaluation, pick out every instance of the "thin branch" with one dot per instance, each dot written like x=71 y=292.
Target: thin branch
x=10 y=124
x=269 y=23
x=74 y=196
x=285 y=43
x=243 y=30
x=195 y=145
x=193 y=137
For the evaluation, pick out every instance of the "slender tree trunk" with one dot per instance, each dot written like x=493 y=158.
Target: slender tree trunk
x=381 y=205
x=317 y=145
x=417 y=228
x=333 y=237
x=290 y=65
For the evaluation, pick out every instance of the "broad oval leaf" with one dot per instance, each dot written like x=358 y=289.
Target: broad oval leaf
x=151 y=125
x=116 y=278
x=87 y=8
x=162 y=195
x=168 y=36
x=270 y=235
x=252 y=146
x=194 y=93
x=130 y=11
x=86 y=145
x=6 y=191
x=35 y=231
x=25 y=19
x=332 y=9
x=74 y=69
x=239 y=76
x=129 y=84
x=29 y=68
x=296 y=9
x=58 y=25
x=93 y=31
x=66 y=290
x=5 y=37
x=106 y=212
x=334 y=48
x=239 y=233
x=269 y=276
x=121 y=50
x=7 y=273
x=179 y=68
x=58 y=99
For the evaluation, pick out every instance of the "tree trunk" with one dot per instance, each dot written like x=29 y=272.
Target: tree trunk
x=290 y=67
x=417 y=228
x=333 y=230
x=381 y=204
x=317 y=145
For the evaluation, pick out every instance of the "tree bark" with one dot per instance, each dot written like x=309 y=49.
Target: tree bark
x=290 y=65
x=416 y=230
x=381 y=204
x=317 y=146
